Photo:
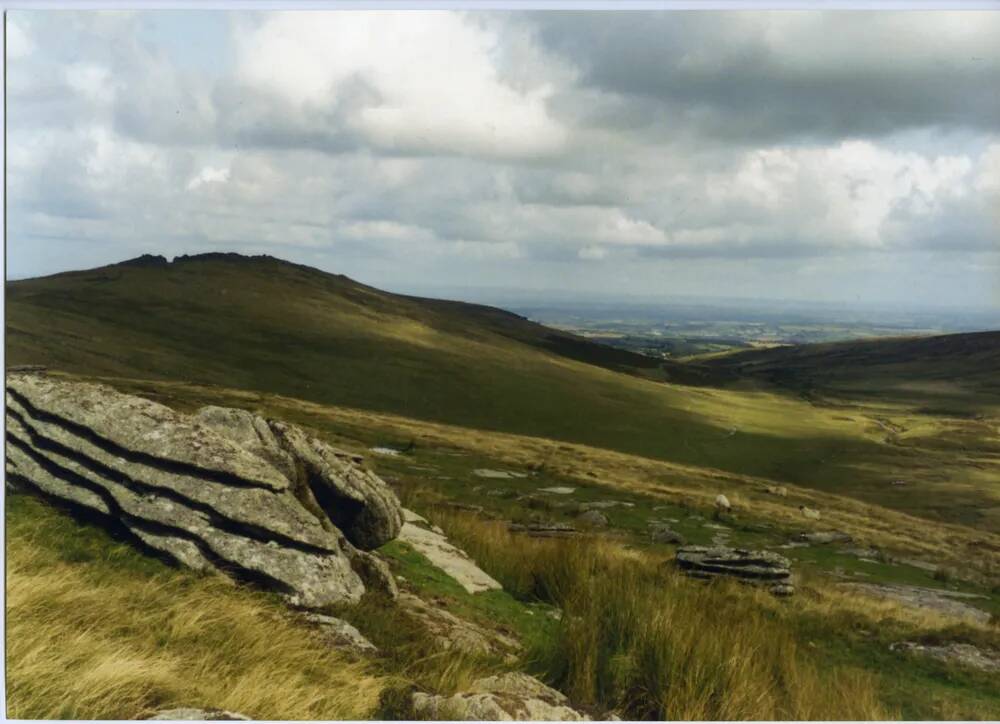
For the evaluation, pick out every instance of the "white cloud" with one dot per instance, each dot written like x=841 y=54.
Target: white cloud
x=92 y=81
x=437 y=144
x=208 y=175
x=19 y=43
x=409 y=82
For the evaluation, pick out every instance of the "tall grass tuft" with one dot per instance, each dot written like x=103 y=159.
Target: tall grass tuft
x=640 y=639
x=88 y=638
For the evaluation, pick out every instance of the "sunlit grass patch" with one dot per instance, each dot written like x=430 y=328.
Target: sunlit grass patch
x=95 y=630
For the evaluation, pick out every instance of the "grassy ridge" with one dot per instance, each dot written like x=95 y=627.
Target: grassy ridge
x=954 y=375
x=262 y=324
x=633 y=635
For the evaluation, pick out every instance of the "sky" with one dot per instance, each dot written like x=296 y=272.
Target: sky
x=846 y=157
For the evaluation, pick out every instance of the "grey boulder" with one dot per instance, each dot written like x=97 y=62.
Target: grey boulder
x=764 y=568
x=212 y=491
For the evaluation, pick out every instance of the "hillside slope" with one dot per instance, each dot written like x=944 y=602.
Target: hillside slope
x=258 y=323
x=958 y=373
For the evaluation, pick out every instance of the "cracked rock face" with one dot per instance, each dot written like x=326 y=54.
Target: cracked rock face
x=222 y=489
x=758 y=567
x=507 y=697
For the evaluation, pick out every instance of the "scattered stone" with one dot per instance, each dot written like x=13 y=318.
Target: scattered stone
x=603 y=504
x=593 y=519
x=464 y=506
x=964 y=654
x=387 y=451
x=917 y=563
x=808 y=512
x=497 y=474
x=933 y=599
x=501 y=493
x=453 y=561
x=759 y=567
x=410 y=516
x=558 y=490
x=513 y=696
x=186 y=714
x=341 y=634
x=898 y=483
x=219 y=490
x=26 y=368
x=663 y=533
x=864 y=553
x=824 y=537
x=716 y=526
x=543 y=530
x=456 y=634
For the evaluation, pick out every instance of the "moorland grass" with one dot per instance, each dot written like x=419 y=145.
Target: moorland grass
x=96 y=630
x=638 y=639
x=274 y=327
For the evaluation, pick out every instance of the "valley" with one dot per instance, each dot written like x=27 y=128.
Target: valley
x=570 y=472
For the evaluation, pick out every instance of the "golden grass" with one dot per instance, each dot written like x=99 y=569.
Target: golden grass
x=639 y=638
x=91 y=640
x=975 y=552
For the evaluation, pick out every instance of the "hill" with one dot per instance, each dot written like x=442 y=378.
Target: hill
x=258 y=323
x=954 y=374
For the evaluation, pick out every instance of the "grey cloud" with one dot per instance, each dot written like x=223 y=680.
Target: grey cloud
x=667 y=115
x=723 y=75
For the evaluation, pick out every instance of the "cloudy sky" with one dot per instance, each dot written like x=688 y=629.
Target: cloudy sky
x=841 y=156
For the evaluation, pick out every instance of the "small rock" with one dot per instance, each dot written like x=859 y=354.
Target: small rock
x=558 y=490
x=543 y=530
x=661 y=533
x=464 y=506
x=824 y=537
x=450 y=559
x=497 y=474
x=593 y=519
x=191 y=714
x=935 y=599
x=513 y=696
x=410 y=517
x=455 y=634
x=603 y=504
x=965 y=654
x=341 y=634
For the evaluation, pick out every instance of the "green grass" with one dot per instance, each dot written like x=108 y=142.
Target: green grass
x=637 y=637
x=275 y=327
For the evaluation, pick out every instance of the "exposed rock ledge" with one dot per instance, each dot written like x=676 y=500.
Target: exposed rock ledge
x=507 y=697
x=762 y=568
x=453 y=561
x=222 y=489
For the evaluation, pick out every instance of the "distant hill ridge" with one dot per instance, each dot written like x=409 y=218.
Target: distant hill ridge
x=263 y=324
